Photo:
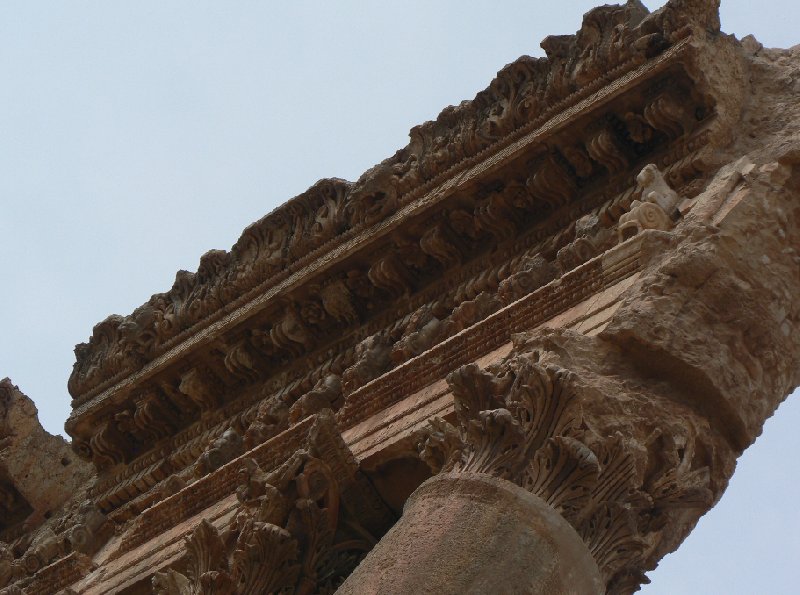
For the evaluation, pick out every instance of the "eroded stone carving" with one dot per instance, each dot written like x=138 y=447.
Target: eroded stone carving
x=500 y=217
x=523 y=422
x=291 y=534
x=373 y=358
x=656 y=209
x=220 y=451
x=610 y=37
x=326 y=394
x=534 y=272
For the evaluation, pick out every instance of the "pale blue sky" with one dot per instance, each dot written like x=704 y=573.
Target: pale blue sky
x=138 y=135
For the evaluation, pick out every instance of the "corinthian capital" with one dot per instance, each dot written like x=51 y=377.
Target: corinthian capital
x=523 y=420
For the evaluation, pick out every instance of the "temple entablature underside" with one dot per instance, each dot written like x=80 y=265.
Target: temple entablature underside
x=541 y=316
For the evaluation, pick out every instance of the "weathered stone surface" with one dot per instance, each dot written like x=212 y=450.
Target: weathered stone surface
x=44 y=531
x=470 y=533
x=39 y=471
x=572 y=299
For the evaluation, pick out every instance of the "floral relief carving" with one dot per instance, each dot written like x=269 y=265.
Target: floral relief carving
x=522 y=421
x=290 y=535
x=523 y=92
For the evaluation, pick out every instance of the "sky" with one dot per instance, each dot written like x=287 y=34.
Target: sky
x=135 y=136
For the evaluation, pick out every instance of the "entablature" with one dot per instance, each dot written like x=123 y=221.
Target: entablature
x=348 y=281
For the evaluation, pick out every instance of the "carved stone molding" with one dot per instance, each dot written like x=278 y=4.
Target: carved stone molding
x=611 y=41
x=276 y=304
x=565 y=269
x=428 y=326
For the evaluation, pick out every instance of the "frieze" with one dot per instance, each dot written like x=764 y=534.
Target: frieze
x=184 y=449
x=259 y=422
x=313 y=340
x=484 y=305
x=291 y=533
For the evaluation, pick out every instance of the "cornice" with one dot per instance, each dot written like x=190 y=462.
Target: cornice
x=526 y=94
x=490 y=162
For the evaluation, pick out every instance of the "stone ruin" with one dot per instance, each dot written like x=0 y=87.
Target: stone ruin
x=521 y=355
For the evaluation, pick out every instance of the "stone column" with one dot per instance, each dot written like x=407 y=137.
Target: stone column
x=520 y=505
x=551 y=479
x=474 y=533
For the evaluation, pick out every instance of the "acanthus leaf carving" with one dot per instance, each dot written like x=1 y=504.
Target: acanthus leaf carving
x=593 y=236
x=240 y=360
x=637 y=127
x=611 y=534
x=471 y=311
x=153 y=417
x=611 y=40
x=338 y=301
x=265 y=559
x=563 y=473
x=494 y=438
x=543 y=401
x=329 y=218
x=286 y=535
x=474 y=390
x=440 y=445
x=108 y=445
x=422 y=330
x=533 y=272
x=615 y=482
x=576 y=253
x=205 y=552
x=372 y=359
x=521 y=420
x=326 y=394
x=496 y=215
x=667 y=114
x=200 y=388
x=682 y=479
x=219 y=451
x=374 y=195
x=272 y=417
x=579 y=160
x=290 y=333
x=464 y=224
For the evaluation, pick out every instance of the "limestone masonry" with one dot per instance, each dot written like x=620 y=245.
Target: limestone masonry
x=521 y=355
